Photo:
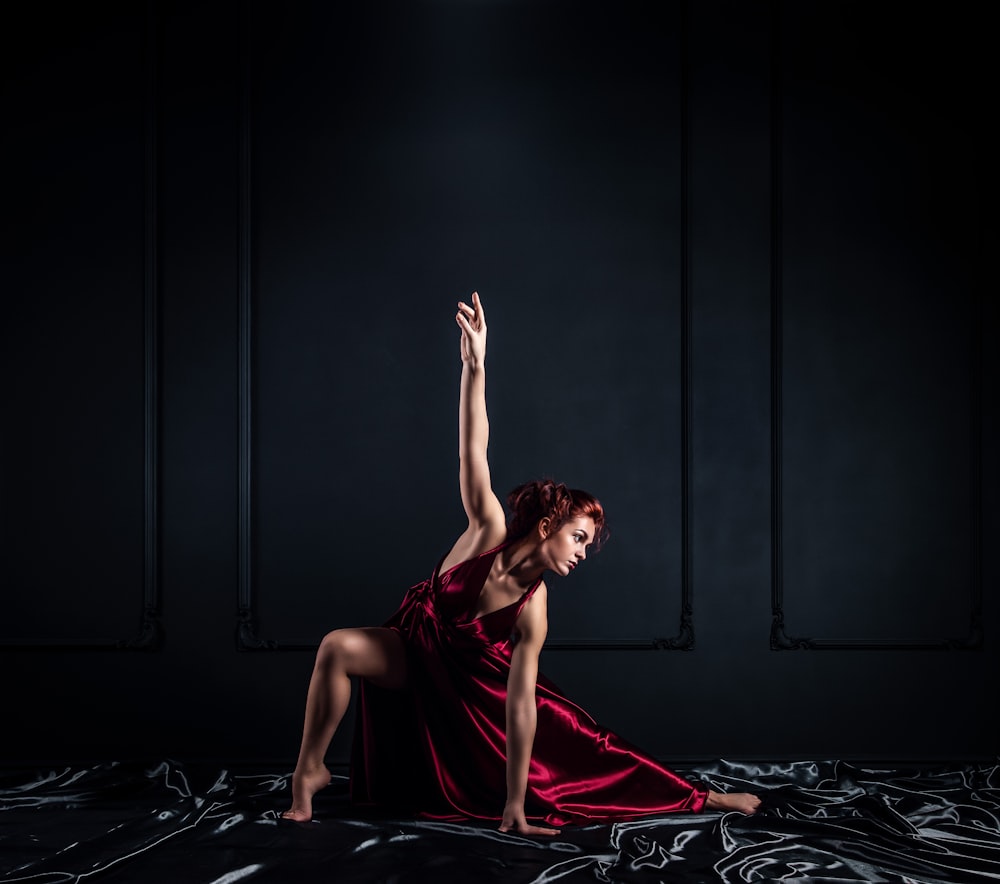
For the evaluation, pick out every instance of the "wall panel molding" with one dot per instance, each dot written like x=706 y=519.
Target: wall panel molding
x=247 y=636
x=149 y=633
x=780 y=639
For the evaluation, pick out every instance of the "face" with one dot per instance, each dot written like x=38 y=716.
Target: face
x=564 y=549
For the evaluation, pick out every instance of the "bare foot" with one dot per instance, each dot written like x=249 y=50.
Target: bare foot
x=305 y=784
x=744 y=802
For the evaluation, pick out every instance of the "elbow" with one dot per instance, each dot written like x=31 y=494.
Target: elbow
x=521 y=712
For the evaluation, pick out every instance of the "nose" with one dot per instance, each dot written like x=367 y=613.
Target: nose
x=582 y=554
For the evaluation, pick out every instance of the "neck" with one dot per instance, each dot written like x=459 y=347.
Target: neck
x=521 y=562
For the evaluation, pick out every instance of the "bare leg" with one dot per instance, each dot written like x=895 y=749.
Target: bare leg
x=744 y=802
x=374 y=653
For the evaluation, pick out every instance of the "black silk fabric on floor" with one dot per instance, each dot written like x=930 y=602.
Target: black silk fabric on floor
x=820 y=822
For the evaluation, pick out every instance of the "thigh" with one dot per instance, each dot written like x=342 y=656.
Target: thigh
x=372 y=652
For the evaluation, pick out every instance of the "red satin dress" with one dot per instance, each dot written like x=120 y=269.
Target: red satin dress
x=437 y=748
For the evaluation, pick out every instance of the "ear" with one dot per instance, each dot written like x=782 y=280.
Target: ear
x=543 y=528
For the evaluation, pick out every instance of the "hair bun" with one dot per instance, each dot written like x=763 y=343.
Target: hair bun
x=547 y=499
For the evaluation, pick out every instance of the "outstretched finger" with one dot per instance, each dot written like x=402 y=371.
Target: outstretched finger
x=477 y=302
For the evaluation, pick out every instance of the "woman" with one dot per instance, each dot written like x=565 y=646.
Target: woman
x=453 y=716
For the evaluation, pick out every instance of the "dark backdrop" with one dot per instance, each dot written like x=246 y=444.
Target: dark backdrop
x=734 y=261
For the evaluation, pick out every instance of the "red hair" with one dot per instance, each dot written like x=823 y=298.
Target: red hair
x=545 y=499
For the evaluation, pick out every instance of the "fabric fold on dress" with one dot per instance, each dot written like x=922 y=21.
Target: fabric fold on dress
x=438 y=748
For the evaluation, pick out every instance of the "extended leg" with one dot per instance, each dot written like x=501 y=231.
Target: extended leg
x=373 y=653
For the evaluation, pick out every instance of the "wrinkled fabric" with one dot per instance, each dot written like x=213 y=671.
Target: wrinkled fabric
x=825 y=821
x=438 y=748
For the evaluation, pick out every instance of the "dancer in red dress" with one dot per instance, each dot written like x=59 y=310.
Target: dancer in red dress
x=454 y=719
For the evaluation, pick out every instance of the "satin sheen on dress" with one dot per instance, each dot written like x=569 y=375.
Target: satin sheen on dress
x=438 y=748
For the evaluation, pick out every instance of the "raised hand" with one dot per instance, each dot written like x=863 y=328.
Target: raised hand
x=472 y=322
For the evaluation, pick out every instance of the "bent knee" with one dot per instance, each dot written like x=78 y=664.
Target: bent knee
x=372 y=653
x=339 y=645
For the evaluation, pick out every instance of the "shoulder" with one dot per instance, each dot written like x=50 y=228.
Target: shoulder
x=541 y=593
x=533 y=620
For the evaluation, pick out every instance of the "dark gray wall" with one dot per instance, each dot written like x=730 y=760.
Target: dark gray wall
x=734 y=261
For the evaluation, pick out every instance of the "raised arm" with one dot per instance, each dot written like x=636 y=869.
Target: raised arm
x=487 y=526
x=522 y=713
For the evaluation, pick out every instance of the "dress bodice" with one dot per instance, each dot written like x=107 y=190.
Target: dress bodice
x=455 y=594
